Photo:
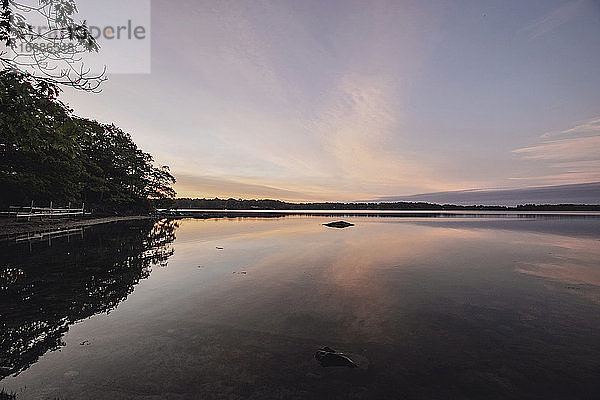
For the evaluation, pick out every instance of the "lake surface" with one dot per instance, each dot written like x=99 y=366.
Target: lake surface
x=234 y=308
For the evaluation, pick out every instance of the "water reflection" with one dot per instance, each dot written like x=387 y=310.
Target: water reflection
x=429 y=309
x=45 y=287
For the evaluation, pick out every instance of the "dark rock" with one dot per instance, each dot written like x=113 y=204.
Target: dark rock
x=339 y=224
x=328 y=357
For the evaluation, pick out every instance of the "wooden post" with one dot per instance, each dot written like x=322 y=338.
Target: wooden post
x=50 y=209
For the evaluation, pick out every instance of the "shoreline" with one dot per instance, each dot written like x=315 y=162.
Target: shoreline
x=193 y=213
x=10 y=227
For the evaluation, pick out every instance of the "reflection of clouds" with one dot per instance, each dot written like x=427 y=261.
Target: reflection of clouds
x=572 y=260
x=312 y=280
x=307 y=280
x=360 y=256
x=350 y=267
x=243 y=229
x=564 y=272
x=360 y=262
x=565 y=243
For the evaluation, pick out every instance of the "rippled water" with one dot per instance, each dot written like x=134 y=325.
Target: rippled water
x=236 y=307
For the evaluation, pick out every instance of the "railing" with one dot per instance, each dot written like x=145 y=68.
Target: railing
x=41 y=212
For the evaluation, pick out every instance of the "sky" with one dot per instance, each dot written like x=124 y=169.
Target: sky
x=350 y=100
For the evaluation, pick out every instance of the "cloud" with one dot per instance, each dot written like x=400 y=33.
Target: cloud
x=553 y=19
x=323 y=100
x=590 y=126
x=352 y=148
x=204 y=186
x=286 y=103
x=580 y=148
x=362 y=137
x=570 y=155
x=560 y=179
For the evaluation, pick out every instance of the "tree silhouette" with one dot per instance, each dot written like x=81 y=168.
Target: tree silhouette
x=52 y=55
x=47 y=154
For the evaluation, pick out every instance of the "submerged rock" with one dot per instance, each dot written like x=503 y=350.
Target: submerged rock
x=339 y=224
x=328 y=357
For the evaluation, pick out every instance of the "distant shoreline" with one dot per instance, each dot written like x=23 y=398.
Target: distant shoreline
x=276 y=205
x=10 y=227
x=213 y=213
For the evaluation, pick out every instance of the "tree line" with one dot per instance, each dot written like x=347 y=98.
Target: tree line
x=49 y=154
x=242 y=204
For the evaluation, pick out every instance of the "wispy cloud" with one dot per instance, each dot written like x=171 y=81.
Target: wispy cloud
x=590 y=126
x=579 y=148
x=553 y=19
x=566 y=178
x=348 y=151
x=570 y=155
x=187 y=186
x=358 y=130
x=346 y=100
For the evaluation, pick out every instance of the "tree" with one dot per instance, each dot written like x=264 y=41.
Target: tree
x=46 y=154
x=50 y=54
x=38 y=147
x=118 y=172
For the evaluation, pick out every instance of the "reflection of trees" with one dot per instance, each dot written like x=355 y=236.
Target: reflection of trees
x=47 y=288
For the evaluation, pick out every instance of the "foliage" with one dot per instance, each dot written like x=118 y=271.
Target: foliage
x=47 y=154
x=52 y=54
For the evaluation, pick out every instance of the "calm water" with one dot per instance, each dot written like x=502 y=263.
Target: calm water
x=235 y=308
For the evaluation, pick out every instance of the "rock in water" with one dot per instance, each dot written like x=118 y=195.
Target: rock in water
x=339 y=224
x=328 y=357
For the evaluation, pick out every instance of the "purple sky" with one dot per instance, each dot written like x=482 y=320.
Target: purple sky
x=347 y=100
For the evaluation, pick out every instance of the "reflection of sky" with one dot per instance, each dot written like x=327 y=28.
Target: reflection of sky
x=305 y=276
x=573 y=260
x=241 y=294
x=346 y=100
